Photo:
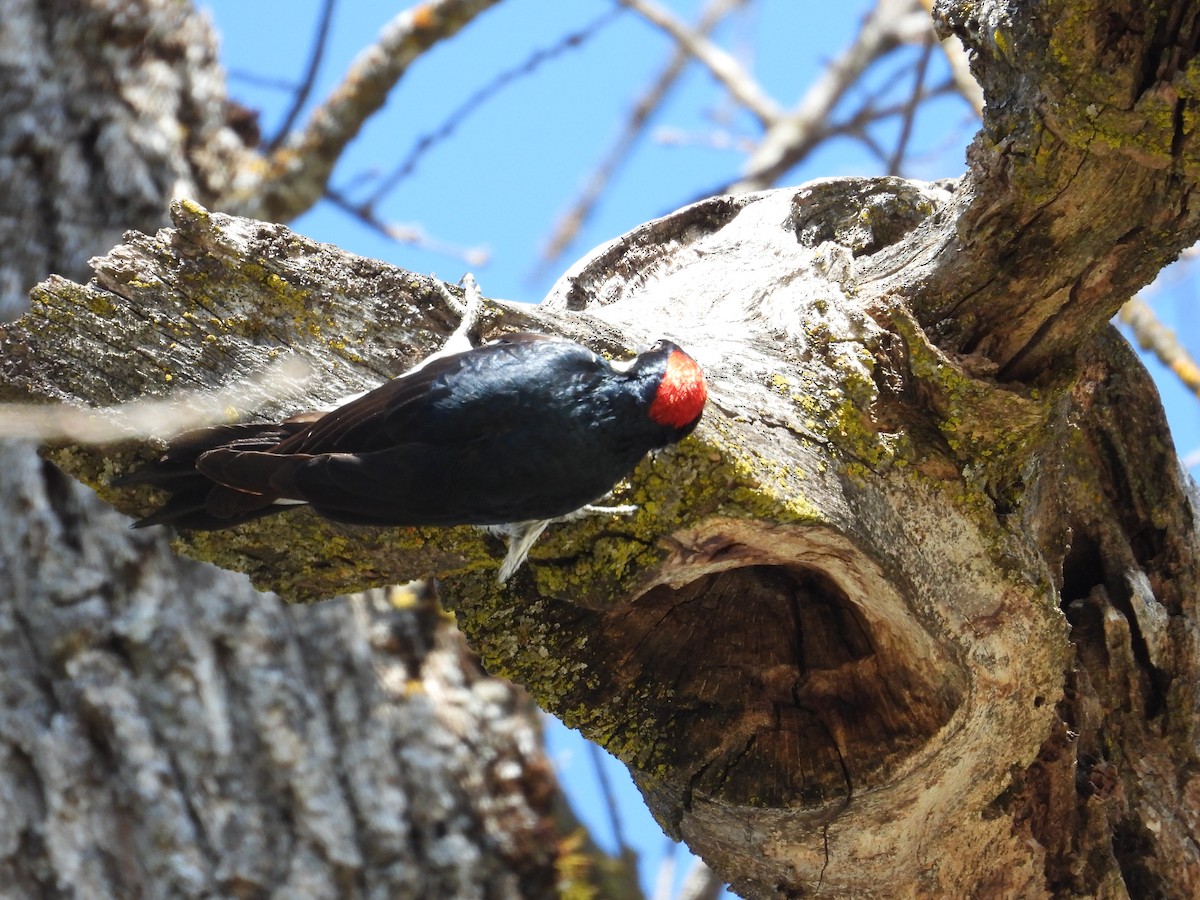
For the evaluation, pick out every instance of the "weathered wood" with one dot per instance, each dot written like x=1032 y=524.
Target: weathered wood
x=808 y=605
x=1079 y=185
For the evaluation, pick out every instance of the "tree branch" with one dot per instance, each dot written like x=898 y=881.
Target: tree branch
x=723 y=67
x=295 y=176
x=754 y=549
x=568 y=225
x=791 y=136
x=1096 y=161
x=320 y=39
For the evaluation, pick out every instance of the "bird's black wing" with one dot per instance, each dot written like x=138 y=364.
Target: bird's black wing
x=508 y=436
x=388 y=415
x=439 y=445
x=196 y=502
x=403 y=439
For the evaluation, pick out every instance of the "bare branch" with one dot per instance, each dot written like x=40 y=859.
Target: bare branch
x=910 y=109
x=712 y=139
x=1152 y=335
x=793 y=136
x=727 y=70
x=297 y=173
x=427 y=142
x=310 y=76
x=665 y=876
x=570 y=222
x=610 y=797
x=855 y=127
x=413 y=235
x=960 y=67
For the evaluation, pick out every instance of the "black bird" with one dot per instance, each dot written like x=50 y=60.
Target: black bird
x=512 y=434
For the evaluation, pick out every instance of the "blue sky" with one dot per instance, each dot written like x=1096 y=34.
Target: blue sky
x=513 y=165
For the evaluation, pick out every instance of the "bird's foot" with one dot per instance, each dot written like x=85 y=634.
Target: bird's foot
x=624 y=509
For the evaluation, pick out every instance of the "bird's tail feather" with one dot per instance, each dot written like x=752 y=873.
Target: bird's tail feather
x=198 y=502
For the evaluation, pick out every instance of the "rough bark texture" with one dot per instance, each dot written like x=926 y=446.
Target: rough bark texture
x=1088 y=147
x=169 y=732
x=108 y=110
x=913 y=612
x=166 y=730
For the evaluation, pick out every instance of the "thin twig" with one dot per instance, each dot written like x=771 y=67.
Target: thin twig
x=794 y=136
x=855 y=126
x=910 y=109
x=665 y=877
x=154 y=418
x=569 y=224
x=723 y=67
x=868 y=114
x=960 y=68
x=271 y=82
x=474 y=257
x=610 y=798
x=310 y=76
x=1153 y=336
x=428 y=141
x=718 y=139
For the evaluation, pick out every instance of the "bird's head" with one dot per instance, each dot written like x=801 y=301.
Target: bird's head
x=681 y=393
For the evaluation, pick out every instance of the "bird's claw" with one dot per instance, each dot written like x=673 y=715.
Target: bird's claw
x=624 y=509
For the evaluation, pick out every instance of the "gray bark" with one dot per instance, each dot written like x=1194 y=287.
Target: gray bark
x=165 y=729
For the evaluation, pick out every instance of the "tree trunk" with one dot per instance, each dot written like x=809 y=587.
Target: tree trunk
x=166 y=730
x=913 y=611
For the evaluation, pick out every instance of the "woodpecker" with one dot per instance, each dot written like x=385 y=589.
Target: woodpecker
x=511 y=435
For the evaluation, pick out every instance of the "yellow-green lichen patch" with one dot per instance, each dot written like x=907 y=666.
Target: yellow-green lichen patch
x=265 y=306
x=1099 y=102
x=573 y=868
x=604 y=569
x=837 y=411
x=95 y=466
x=100 y=304
x=470 y=549
x=194 y=210
x=1001 y=41
x=527 y=642
x=983 y=423
x=303 y=558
